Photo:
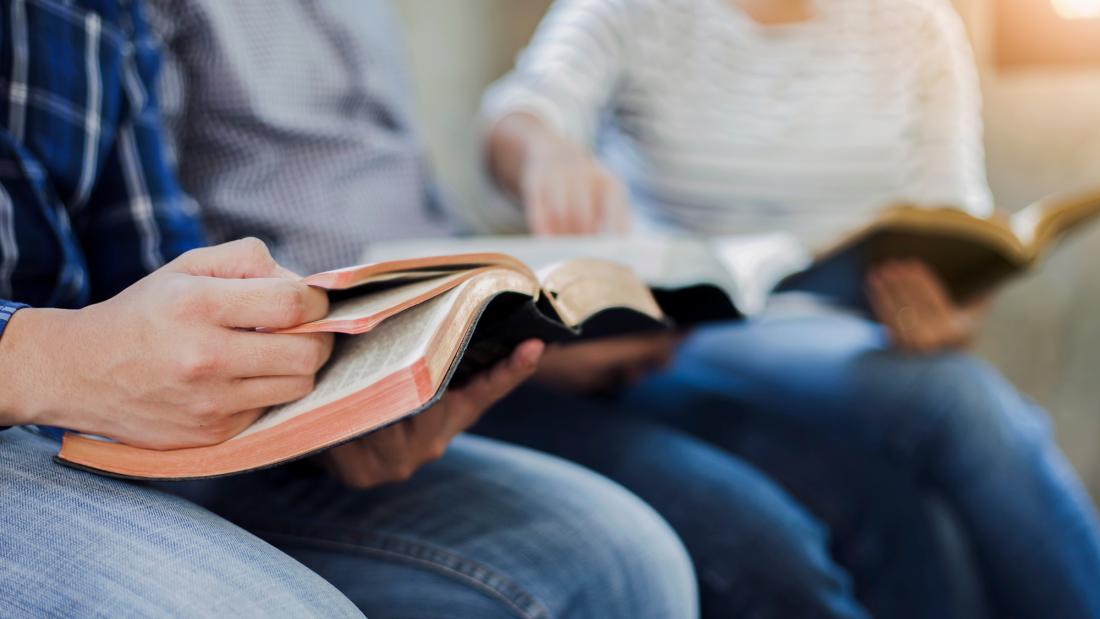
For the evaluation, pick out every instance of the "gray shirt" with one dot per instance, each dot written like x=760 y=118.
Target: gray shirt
x=291 y=121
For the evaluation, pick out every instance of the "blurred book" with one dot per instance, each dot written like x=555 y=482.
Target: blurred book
x=971 y=255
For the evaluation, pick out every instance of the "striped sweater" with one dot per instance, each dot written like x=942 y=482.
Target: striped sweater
x=721 y=125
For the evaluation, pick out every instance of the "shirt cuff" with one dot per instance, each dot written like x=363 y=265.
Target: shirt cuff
x=7 y=310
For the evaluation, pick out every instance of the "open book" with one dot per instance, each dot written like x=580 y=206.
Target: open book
x=970 y=254
x=409 y=329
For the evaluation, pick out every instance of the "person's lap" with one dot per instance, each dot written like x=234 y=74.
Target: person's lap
x=490 y=530
x=756 y=550
x=947 y=423
x=76 y=545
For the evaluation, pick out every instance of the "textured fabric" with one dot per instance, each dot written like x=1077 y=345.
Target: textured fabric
x=949 y=422
x=466 y=537
x=73 y=544
x=491 y=530
x=88 y=203
x=863 y=542
x=721 y=125
x=7 y=310
x=300 y=132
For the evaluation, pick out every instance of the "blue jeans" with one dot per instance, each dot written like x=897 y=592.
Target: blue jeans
x=869 y=543
x=950 y=424
x=490 y=530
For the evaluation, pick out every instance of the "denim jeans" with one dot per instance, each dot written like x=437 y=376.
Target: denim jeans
x=806 y=467
x=950 y=423
x=490 y=530
x=875 y=546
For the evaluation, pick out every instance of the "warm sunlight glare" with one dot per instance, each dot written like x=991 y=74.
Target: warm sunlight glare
x=1077 y=9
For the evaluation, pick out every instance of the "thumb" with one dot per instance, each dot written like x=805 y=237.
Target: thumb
x=243 y=259
x=616 y=210
x=475 y=398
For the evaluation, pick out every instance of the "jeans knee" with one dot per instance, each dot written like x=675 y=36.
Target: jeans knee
x=780 y=567
x=80 y=545
x=621 y=557
x=967 y=413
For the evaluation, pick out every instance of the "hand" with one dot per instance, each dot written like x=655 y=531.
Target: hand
x=607 y=365
x=565 y=190
x=171 y=361
x=911 y=301
x=562 y=187
x=395 y=453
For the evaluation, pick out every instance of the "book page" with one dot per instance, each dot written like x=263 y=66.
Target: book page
x=359 y=361
x=1045 y=221
x=758 y=263
x=660 y=261
x=372 y=303
x=745 y=267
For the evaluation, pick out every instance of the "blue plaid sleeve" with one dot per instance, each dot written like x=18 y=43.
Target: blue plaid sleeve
x=7 y=309
x=138 y=217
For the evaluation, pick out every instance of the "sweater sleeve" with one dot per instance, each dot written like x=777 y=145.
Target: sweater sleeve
x=572 y=67
x=949 y=156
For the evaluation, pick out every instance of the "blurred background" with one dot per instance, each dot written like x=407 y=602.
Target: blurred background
x=1040 y=64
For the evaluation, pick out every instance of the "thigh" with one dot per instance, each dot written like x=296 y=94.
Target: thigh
x=809 y=365
x=755 y=550
x=490 y=530
x=835 y=374
x=900 y=541
x=75 y=544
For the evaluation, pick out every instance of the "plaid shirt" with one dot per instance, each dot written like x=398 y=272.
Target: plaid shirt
x=88 y=202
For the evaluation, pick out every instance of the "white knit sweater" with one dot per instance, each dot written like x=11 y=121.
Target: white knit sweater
x=721 y=125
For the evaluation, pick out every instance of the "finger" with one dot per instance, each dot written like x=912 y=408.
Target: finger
x=355 y=464
x=879 y=301
x=538 y=214
x=616 y=209
x=957 y=324
x=894 y=280
x=267 y=391
x=481 y=393
x=281 y=271
x=561 y=218
x=906 y=279
x=928 y=285
x=886 y=307
x=393 y=452
x=241 y=421
x=917 y=316
x=542 y=213
x=240 y=259
x=268 y=303
x=223 y=428
x=938 y=325
x=582 y=210
x=251 y=354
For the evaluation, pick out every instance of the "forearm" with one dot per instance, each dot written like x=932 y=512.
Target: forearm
x=513 y=144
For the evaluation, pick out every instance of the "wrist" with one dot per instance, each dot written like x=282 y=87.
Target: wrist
x=521 y=145
x=30 y=366
x=546 y=145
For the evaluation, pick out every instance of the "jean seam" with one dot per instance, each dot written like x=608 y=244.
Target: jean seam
x=483 y=578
